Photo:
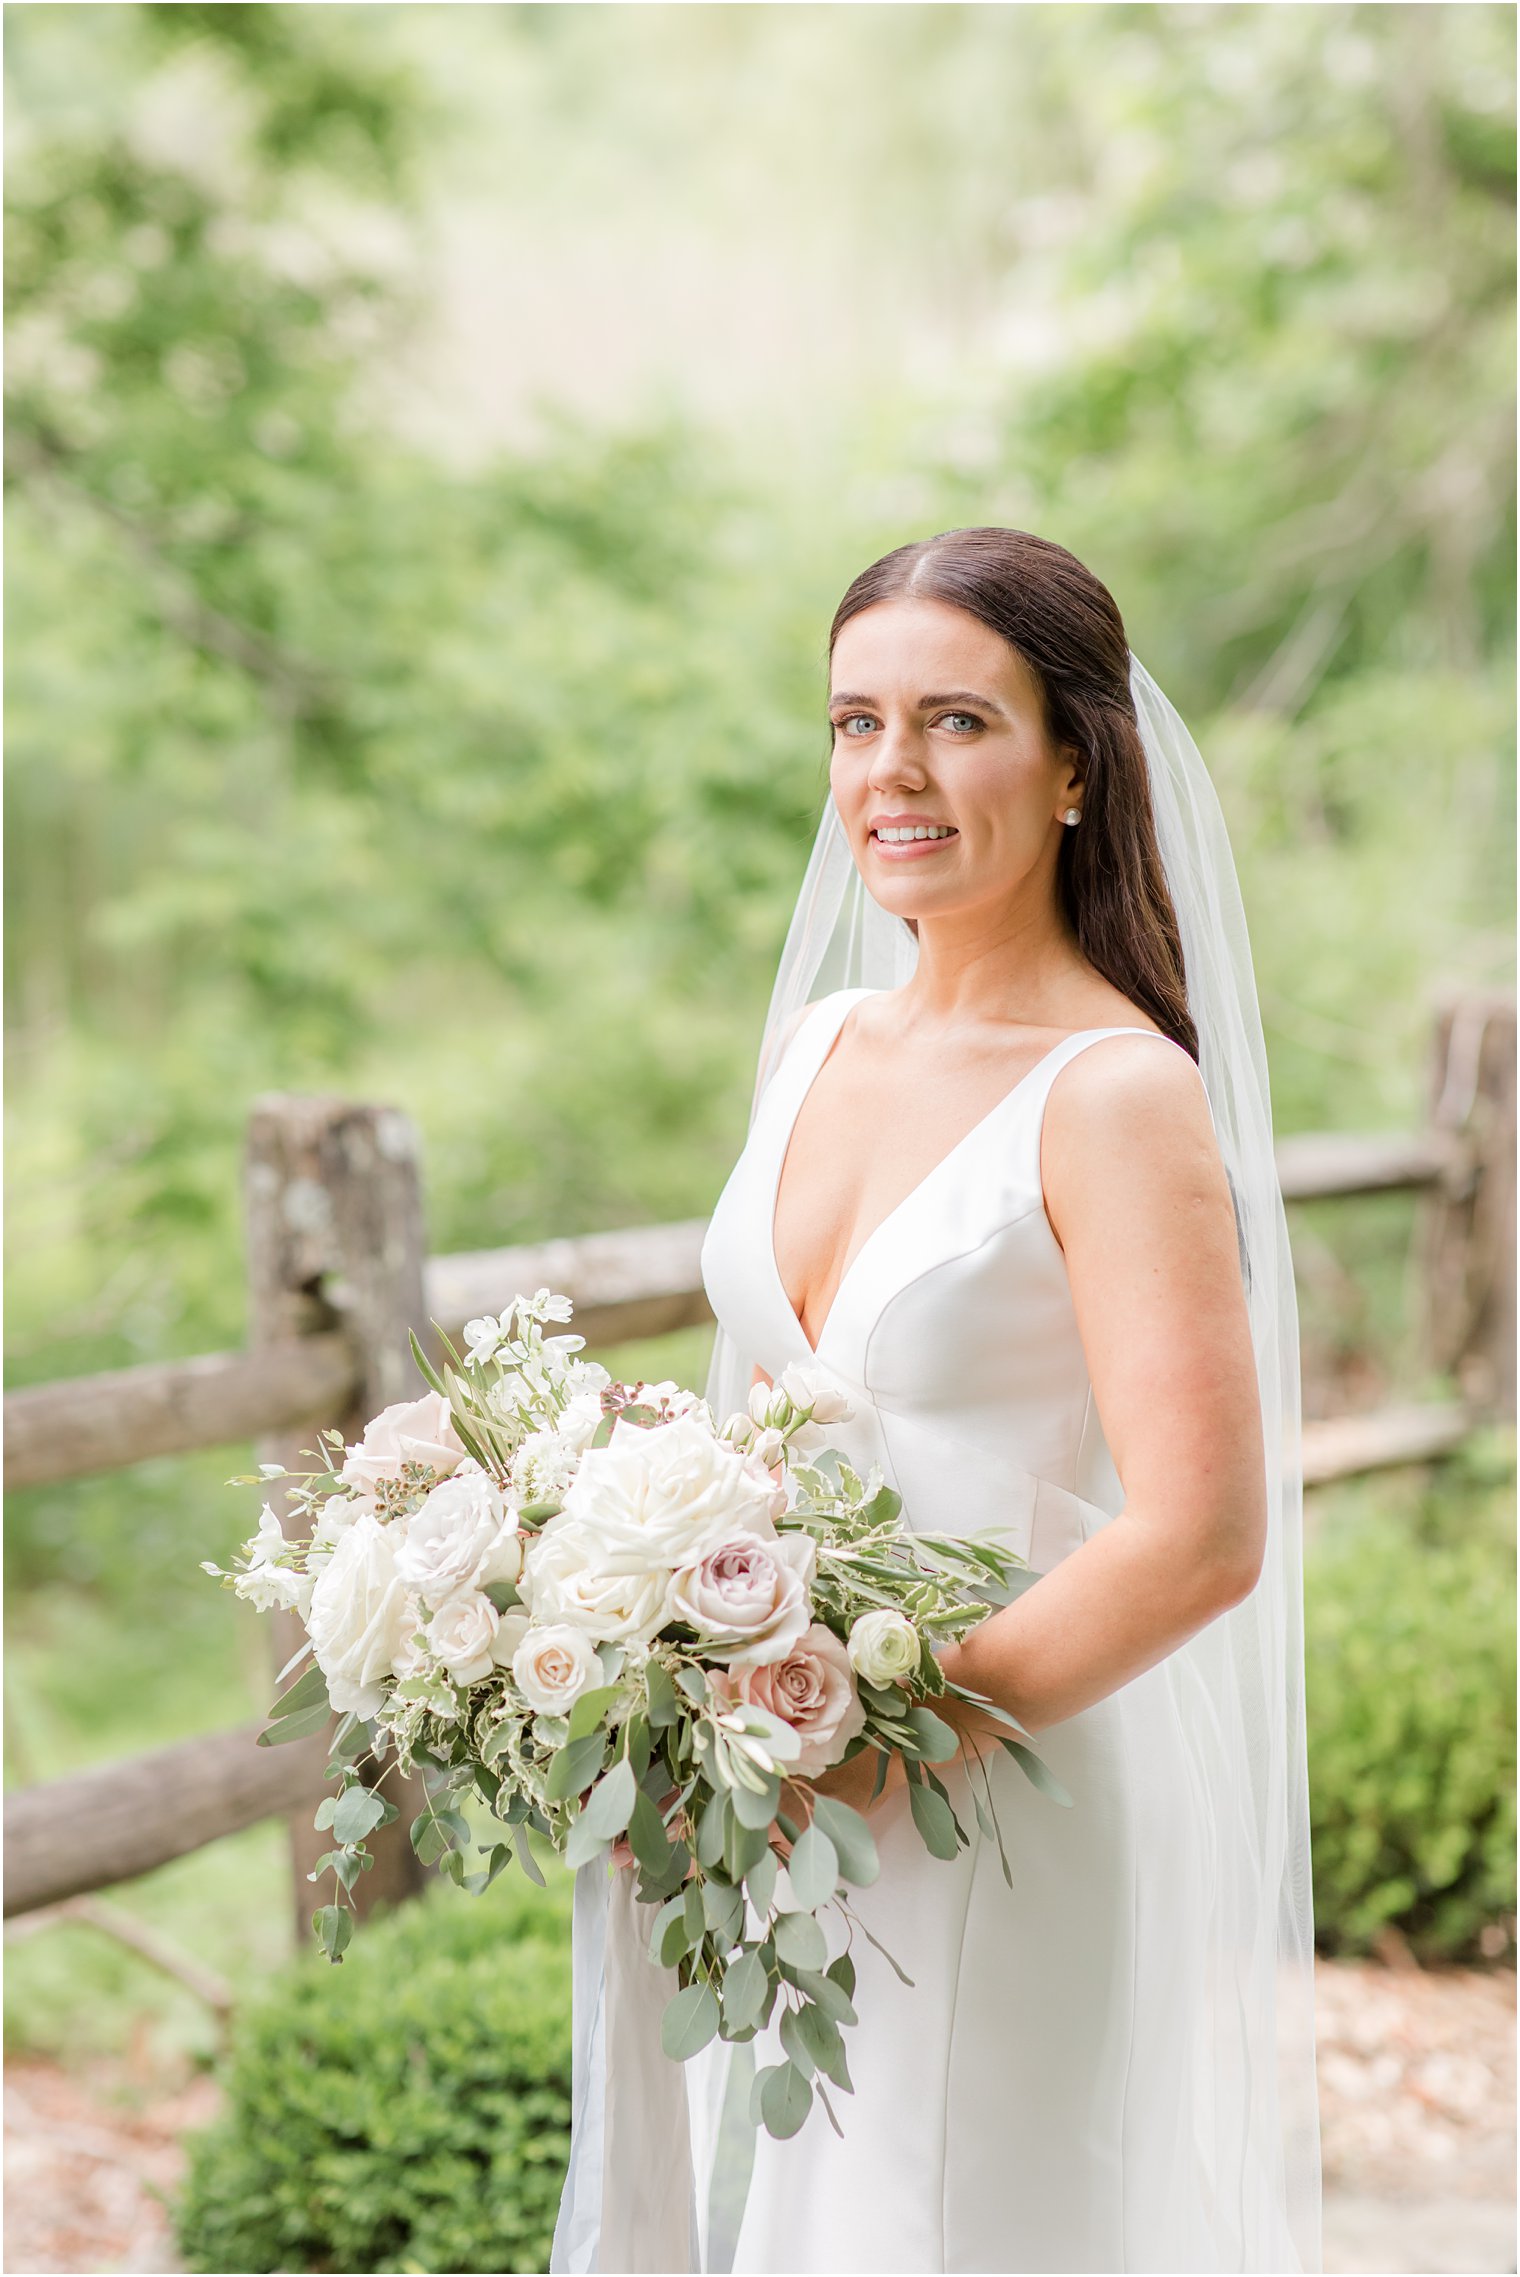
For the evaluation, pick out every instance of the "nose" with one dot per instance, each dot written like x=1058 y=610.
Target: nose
x=898 y=756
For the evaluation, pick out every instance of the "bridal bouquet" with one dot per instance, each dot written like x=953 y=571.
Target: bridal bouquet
x=590 y=1608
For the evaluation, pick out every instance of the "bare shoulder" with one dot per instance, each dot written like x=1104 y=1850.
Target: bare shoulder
x=1128 y=1118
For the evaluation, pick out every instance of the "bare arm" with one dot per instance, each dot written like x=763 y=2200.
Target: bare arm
x=1136 y=1192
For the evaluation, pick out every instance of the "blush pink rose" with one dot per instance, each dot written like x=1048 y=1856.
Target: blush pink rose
x=748 y=1599
x=410 y=1431
x=812 y=1688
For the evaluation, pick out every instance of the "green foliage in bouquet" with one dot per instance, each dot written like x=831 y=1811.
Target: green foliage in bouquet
x=409 y=2111
x=1411 y=1684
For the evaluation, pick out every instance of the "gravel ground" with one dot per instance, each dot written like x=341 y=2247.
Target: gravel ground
x=1417 y=2079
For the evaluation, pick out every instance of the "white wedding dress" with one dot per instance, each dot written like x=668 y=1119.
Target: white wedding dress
x=1044 y=2096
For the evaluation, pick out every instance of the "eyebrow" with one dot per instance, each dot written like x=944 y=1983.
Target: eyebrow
x=925 y=703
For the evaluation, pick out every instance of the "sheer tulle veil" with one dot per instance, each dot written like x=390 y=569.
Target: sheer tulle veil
x=1245 y=2007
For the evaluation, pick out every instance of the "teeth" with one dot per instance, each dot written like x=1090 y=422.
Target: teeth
x=918 y=830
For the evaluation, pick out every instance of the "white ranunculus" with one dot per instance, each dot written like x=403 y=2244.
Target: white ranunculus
x=462 y=1635
x=360 y=1616
x=552 y=1667
x=665 y=1496
x=884 y=1647
x=462 y=1537
x=565 y=1579
x=410 y=1431
x=748 y=1599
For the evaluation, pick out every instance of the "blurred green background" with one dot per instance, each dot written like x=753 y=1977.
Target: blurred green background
x=437 y=439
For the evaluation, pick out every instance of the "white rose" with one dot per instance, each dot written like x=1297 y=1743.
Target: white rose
x=565 y=1580
x=552 y=1667
x=748 y=1600
x=411 y=1657
x=581 y=1420
x=665 y=1496
x=337 y=1514
x=462 y=1537
x=807 y=1390
x=462 y=1635
x=884 y=1647
x=360 y=1616
x=410 y=1431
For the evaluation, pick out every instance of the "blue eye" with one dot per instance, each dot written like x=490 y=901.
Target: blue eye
x=844 y=722
x=970 y=718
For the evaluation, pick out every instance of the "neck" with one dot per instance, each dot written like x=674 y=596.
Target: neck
x=1017 y=962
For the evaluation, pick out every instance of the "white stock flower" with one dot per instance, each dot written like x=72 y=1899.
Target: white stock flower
x=542 y=1305
x=265 y=1583
x=884 y=1647
x=669 y=1393
x=483 y=1336
x=748 y=1599
x=409 y=1431
x=565 y=1580
x=552 y=1667
x=360 y=1616
x=543 y=1467
x=462 y=1635
x=665 y=1496
x=461 y=1538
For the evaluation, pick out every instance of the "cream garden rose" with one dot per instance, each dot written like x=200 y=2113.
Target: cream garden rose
x=884 y=1647
x=361 y=1616
x=461 y=1538
x=664 y=1496
x=565 y=1580
x=748 y=1599
x=553 y=1665
x=462 y=1637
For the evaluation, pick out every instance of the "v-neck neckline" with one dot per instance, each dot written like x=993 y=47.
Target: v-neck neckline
x=935 y=1171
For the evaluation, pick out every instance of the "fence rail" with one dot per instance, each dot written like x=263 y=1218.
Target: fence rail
x=338 y=1276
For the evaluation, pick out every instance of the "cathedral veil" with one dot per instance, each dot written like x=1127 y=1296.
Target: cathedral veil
x=1244 y=2000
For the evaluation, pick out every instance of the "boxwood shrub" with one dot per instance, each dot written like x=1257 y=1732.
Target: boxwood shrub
x=1410 y=1645
x=408 y=2109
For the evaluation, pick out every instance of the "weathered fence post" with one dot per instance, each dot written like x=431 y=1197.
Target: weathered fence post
x=335 y=1239
x=1468 y=1236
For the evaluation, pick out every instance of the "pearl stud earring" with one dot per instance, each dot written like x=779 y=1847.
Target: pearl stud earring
x=1073 y=814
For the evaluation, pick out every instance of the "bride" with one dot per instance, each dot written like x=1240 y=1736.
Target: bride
x=1009 y=1187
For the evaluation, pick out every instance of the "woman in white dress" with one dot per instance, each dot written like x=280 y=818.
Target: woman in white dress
x=1008 y=1185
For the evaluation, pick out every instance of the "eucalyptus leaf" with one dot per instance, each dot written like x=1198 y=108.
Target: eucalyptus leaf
x=308 y=1691
x=760 y=1882
x=800 y=1940
x=793 y=2041
x=690 y=2020
x=646 y=1835
x=754 y=1808
x=359 y=1811
x=934 y=1819
x=575 y=1766
x=305 y=1724
x=785 y=2101
x=744 y=1991
x=334 y=1925
x=813 y=1868
x=853 y=1843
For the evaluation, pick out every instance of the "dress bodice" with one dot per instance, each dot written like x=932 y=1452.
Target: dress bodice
x=952 y=1332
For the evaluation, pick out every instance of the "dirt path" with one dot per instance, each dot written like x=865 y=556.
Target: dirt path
x=1417 y=2086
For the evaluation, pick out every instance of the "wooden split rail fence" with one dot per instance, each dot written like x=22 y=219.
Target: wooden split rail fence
x=338 y=1276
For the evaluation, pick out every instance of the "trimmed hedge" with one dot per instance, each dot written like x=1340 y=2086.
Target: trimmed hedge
x=408 y=2109
x=1410 y=1636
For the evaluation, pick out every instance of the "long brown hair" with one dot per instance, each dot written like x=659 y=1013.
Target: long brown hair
x=1066 y=626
